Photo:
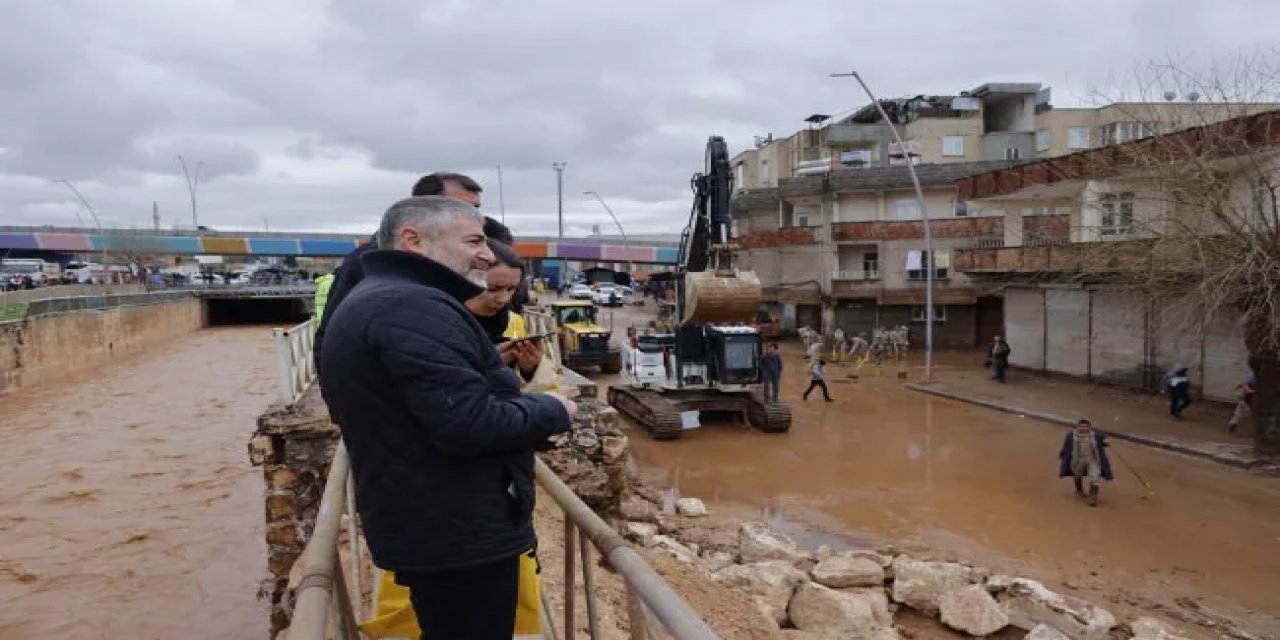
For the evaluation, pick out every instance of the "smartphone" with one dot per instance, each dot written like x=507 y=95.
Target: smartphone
x=528 y=338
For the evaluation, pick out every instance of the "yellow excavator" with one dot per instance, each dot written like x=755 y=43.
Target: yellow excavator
x=710 y=361
x=583 y=343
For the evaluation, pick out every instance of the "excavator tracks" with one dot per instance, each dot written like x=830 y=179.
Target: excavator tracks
x=773 y=417
x=659 y=413
x=656 y=414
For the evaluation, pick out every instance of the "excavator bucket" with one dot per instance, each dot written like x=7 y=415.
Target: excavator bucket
x=713 y=298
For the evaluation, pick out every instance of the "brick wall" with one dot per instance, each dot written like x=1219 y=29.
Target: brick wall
x=948 y=228
x=1057 y=227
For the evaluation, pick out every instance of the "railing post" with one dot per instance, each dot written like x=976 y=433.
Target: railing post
x=569 y=541
x=589 y=585
x=283 y=365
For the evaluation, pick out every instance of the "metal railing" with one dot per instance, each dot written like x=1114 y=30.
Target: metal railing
x=294 y=358
x=57 y=306
x=322 y=595
x=855 y=275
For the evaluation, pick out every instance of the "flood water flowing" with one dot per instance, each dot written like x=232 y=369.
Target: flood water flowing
x=129 y=508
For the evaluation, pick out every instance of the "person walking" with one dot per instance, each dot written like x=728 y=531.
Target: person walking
x=1084 y=454
x=1178 y=384
x=428 y=410
x=1244 y=403
x=771 y=373
x=818 y=378
x=999 y=359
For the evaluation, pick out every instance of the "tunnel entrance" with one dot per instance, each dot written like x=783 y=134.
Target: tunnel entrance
x=234 y=311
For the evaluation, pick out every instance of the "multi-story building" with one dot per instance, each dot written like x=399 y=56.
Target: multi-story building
x=829 y=220
x=1112 y=211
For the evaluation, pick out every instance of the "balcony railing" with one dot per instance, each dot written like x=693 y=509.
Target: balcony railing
x=856 y=275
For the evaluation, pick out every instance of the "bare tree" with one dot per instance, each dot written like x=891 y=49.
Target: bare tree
x=1181 y=209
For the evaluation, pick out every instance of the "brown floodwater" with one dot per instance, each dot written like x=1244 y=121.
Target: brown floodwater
x=128 y=507
x=884 y=464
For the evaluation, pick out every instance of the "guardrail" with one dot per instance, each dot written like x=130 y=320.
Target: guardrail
x=295 y=347
x=321 y=592
x=56 y=306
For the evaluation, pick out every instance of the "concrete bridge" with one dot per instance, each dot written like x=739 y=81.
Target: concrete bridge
x=32 y=241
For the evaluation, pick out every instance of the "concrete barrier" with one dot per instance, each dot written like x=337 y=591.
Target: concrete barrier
x=43 y=349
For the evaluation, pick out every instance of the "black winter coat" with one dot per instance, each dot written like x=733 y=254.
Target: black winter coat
x=441 y=441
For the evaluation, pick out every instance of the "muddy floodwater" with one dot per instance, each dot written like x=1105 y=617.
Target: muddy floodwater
x=883 y=464
x=128 y=508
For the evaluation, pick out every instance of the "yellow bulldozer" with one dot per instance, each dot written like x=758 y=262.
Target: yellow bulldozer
x=583 y=342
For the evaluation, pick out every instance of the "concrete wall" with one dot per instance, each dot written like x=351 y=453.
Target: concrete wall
x=41 y=350
x=927 y=133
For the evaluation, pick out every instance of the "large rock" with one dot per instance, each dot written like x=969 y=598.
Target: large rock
x=1029 y=603
x=691 y=507
x=842 y=570
x=921 y=585
x=757 y=543
x=878 y=558
x=877 y=599
x=771 y=583
x=717 y=560
x=640 y=532
x=972 y=610
x=638 y=509
x=1153 y=629
x=1045 y=632
x=837 y=614
x=674 y=548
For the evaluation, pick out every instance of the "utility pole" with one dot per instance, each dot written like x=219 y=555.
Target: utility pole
x=502 y=200
x=193 y=183
x=928 y=262
x=559 y=167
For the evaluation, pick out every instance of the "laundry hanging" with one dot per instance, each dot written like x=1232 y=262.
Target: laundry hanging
x=913 y=260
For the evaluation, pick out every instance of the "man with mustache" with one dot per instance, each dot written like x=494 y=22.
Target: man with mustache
x=440 y=438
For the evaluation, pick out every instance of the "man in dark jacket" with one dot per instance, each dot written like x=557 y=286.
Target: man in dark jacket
x=1084 y=454
x=440 y=438
x=351 y=271
x=771 y=372
x=999 y=357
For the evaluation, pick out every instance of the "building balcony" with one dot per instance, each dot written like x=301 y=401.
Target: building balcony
x=1096 y=257
x=784 y=237
x=855 y=276
x=986 y=227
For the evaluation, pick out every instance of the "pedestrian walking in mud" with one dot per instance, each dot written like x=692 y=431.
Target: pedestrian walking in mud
x=1244 y=403
x=998 y=359
x=771 y=372
x=1178 y=384
x=818 y=379
x=1084 y=454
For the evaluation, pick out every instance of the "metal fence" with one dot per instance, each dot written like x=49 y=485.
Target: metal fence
x=295 y=347
x=56 y=306
x=324 y=604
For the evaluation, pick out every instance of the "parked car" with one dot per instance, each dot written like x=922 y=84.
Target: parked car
x=610 y=295
x=580 y=292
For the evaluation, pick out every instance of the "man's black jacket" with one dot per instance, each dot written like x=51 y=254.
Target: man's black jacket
x=345 y=278
x=441 y=441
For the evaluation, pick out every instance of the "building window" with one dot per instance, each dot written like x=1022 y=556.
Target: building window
x=1121 y=132
x=906 y=209
x=1117 y=213
x=918 y=265
x=953 y=145
x=919 y=313
x=739 y=176
x=960 y=208
x=1042 y=140
x=1012 y=153
x=871 y=264
x=1264 y=204
x=764 y=172
x=802 y=219
x=1078 y=138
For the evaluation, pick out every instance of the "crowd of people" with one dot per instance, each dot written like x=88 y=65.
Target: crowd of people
x=441 y=404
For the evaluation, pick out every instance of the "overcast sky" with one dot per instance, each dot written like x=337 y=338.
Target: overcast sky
x=313 y=115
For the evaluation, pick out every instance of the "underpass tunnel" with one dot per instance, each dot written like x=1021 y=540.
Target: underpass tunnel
x=234 y=311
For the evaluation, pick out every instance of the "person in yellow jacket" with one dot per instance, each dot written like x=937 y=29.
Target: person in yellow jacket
x=323 y=284
x=393 y=612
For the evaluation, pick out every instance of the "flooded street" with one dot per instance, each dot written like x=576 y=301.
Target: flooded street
x=129 y=508
x=883 y=464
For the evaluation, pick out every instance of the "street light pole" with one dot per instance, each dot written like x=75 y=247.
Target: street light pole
x=193 y=183
x=88 y=207
x=559 y=167
x=502 y=200
x=924 y=216
x=625 y=241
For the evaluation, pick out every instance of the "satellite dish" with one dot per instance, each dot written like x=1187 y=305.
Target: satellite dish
x=1169 y=96
x=1193 y=96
